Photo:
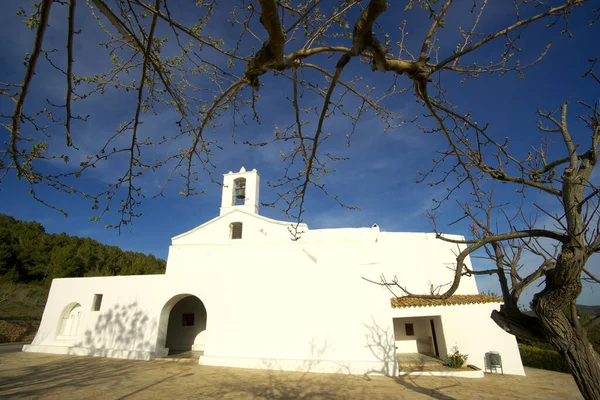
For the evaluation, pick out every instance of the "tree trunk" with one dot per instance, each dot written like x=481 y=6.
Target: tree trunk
x=585 y=367
x=582 y=358
x=563 y=286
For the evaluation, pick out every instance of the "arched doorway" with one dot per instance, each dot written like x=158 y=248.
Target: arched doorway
x=186 y=327
x=70 y=318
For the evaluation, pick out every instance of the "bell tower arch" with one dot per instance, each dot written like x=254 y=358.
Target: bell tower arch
x=240 y=191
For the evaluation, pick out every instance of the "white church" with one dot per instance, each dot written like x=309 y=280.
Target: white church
x=238 y=289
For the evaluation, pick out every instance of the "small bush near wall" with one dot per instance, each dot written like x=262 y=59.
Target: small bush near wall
x=456 y=359
x=544 y=359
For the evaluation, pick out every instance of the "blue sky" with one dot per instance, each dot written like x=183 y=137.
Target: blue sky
x=381 y=172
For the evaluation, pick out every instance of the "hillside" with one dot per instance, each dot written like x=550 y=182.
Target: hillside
x=592 y=311
x=30 y=258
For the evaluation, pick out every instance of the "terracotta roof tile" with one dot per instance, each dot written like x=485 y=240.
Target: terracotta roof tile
x=457 y=299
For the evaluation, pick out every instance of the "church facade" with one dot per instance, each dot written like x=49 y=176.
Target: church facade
x=239 y=290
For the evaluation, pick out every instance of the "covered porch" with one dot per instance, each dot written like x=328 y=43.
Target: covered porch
x=420 y=336
x=426 y=331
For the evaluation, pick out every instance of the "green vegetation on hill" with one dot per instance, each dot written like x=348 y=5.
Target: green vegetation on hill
x=22 y=301
x=30 y=258
x=592 y=311
x=28 y=254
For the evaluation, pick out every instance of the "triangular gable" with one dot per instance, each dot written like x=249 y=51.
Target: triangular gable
x=216 y=219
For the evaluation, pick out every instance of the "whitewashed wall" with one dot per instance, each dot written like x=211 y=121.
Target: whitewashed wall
x=274 y=303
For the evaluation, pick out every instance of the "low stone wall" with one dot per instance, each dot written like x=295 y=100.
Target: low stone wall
x=18 y=330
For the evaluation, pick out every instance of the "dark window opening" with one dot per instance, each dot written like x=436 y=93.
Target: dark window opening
x=239 y=192
x=236 y=230
x=410 y=329
x=188 y=320
x=97 y=303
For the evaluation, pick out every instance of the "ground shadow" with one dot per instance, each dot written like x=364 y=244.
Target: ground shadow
x=303 y=384
x=61 y=372
x=411 y=383
x=122 y=331
x=27 y=375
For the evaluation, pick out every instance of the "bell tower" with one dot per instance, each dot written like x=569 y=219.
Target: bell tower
x=240 y=191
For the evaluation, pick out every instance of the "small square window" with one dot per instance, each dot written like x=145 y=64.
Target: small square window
x=188 y=320
x=410 y=329
x=97 y=303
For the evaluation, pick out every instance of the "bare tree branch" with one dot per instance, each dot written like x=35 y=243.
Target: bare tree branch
x=33 y=58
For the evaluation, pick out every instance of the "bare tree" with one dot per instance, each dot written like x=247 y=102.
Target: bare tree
x=561 y=239
x=563 y=244
x=307 y=46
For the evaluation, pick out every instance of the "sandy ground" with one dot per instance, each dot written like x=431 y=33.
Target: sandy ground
x=28 y=375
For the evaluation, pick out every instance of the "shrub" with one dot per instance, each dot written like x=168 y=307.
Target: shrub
x=455 y=359
x=544 y=359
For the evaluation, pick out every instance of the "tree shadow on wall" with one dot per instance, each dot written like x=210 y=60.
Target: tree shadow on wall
x=382 y=343
x=122 y=331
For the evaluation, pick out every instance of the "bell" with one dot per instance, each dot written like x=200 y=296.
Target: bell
x=239 y=193
x=240 y=190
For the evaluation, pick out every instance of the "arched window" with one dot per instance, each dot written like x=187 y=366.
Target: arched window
x=69 y=322
x=236 y=230
x=239 y=192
